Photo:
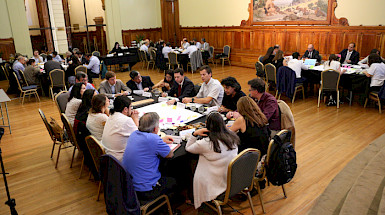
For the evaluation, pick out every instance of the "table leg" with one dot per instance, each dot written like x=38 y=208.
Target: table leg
x=350 y=97
x=9 y=124
x=2 y=116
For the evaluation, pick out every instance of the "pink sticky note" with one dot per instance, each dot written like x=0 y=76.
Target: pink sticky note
x=178 y=118
x=169 y=119
x=161 y=120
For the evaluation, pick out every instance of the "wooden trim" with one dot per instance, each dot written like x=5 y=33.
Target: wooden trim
x=150 y=33
x=7 y=47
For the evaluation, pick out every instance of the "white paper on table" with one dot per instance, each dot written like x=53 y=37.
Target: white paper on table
x=349 y=71
x=138 y=92
x=177 y=139
x=186 y=133
x=180 y=105
x=162 y=99
x=110 y=55
x=318 y=68
x=147 y=94
x=120 y=54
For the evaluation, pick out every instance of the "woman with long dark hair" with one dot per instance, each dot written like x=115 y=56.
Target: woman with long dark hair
x=74 y=101
x=376 y=71
x=70 y=72
x=268 y=58
x=216 y=149
x=98 y=115
x=251 y=126
x=333 y=63
x=167 y=82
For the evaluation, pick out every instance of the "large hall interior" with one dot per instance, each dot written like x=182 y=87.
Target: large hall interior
x=339 y=148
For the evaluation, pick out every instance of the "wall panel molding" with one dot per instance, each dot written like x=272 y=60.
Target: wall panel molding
x=7 y=47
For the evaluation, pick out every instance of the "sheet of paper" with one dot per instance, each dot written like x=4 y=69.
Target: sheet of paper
x=180 y=105
x=177 y=139
x=147 y=94
x=138 y=92
x=162 y=99
x=187 y=132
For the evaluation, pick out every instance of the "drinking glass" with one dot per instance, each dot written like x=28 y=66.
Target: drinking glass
x=201 y=109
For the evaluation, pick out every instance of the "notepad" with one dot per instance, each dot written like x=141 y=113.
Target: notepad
x=174 y=147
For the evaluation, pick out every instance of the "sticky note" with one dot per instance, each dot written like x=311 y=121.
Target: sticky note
x=161 y=120
x=178 y=118
x=169 y=119
x=174 y=107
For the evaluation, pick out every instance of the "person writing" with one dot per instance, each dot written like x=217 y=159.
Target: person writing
x=182 y=88
x=217 y=148
x=211 y=91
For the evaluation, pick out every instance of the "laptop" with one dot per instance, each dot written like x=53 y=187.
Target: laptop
x=310 y=62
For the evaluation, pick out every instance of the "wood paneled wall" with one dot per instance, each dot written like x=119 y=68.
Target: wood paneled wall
x=7 y=47
x=153 y=34
x=248 y=43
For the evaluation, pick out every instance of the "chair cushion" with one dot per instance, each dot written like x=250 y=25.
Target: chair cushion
x=30 y=87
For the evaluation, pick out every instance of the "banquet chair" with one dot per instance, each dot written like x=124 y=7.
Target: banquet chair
x=330 y=80
x=6 y=75
x=286 y=83
x=211 y=58
x=61 y=100
x=119 y=193
x=26 y=90
x=80 y=68
x=23 y=79
x=226 y=51
x=55 y=140
x=271 y=76
x=284 y=136
x=96 y=151
x=374 y=95
x=240 y=177
x=71 y=137
x=260 y=70
x=57 y=77
x=152 y=60
x=144 y=58
x=173 y=60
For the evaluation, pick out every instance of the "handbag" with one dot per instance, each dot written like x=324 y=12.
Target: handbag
x=56 y=129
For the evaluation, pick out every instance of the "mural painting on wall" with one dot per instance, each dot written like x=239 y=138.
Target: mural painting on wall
x=290 y=10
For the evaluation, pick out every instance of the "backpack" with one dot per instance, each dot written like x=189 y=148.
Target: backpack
x=282 y=162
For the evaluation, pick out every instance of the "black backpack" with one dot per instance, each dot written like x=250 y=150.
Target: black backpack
x=282 y=162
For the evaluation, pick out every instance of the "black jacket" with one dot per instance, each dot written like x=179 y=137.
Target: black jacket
x=186 y=91
x=146 y=82
x=314 y=55
x=355 y=57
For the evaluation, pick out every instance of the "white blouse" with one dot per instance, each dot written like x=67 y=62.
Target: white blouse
x=95 y=124
x=378 y=72
x=333 y=65
x=116 y=132
x=210 y=178
x=72 y=108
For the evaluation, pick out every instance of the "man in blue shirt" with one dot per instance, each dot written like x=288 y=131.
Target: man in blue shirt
x=93 y=67
x=19 y=65
x=141 y=158
x=56 y=57
x=82 y=77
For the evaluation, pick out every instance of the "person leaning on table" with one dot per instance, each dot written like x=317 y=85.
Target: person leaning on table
x=112 y=87
x=211 y=91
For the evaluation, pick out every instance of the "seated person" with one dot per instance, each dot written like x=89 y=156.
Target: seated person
x=251 y=126
x=37 y=57
x=311 y=53
x=51 y=65
x=82 y=77
x=166 y=49
x=74 y=102
x=56 y=57
x=31 y=72
x=183 y=87
x=142 y=156
x=376 y=71
x=349 y=55
x=232 y=94
x=68 y=57
x=184 y=44
x=216 y=150
x=278 y=59
x=211 y=91
x=190 y=49
x=166 y=83
x=365 y=60
x=112 y=87
x=205 y=45
x=139 y=82
x=70 y=72
x=81 y=58
x=82 y=113
x=98 y=115
x=19 y=65
x=333 y=63
x=144 y=47
x=268 y=57
x=122 y=122
x=116 y=49
x=197 y=44
x=93 y=67
x=266 y=102
x=297 y=66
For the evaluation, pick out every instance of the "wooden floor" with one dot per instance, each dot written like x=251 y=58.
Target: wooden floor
x=327 y=139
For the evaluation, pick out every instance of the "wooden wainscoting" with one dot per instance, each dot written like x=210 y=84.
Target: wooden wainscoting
x=154 y=34
x=248 y=43
x=7 y=47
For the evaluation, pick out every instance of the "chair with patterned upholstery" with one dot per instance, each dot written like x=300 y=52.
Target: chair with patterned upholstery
x=57 y=77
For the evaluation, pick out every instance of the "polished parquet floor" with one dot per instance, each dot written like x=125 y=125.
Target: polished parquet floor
x=327 y=139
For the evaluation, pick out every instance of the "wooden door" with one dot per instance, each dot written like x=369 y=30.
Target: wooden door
x=170 y=21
